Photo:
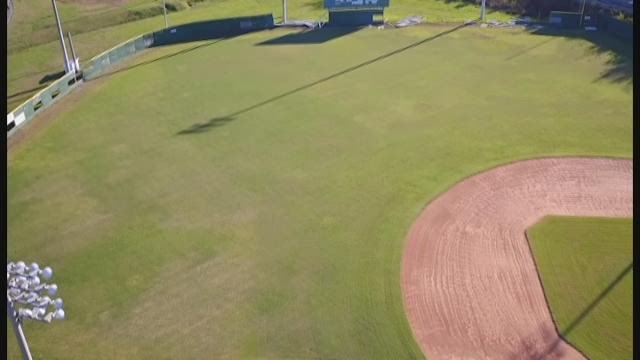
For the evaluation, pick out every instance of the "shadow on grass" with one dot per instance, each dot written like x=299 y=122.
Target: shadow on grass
x=530 y=349
x=26 y=92
x=316 y=36
x=335 y=75
x=620 y=51
x=527 y=347
x=603 y=294
x=200 y=128
x=164 y=57
x=527 y=50
x=51 y=77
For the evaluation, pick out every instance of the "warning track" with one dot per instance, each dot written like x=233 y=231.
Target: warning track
x=470 y=286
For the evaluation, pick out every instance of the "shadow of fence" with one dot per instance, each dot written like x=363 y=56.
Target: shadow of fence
x=332 y=76
x=315 y=36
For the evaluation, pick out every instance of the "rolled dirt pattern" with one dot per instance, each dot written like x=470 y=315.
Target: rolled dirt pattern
x=470 y=286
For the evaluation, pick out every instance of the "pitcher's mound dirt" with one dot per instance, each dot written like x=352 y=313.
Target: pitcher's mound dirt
x=470 y=286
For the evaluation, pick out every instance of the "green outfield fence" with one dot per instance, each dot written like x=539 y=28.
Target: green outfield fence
x=197 y=31
x=102 y=63
x=40 y=101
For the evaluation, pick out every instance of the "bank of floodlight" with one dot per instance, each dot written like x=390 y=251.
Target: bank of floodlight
x=29 y=298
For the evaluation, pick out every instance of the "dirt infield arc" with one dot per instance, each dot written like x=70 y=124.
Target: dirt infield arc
x=470 y=286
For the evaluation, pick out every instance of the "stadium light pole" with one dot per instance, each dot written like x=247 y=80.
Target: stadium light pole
x=284 y=11
x=74 y=60
x=164 y=8
x=25 y=299
x=584 y=3
x=67 y=68
x=483 y=11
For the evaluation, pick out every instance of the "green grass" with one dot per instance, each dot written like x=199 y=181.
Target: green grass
x=585 y=264
x=30 y=58
x=277 y=231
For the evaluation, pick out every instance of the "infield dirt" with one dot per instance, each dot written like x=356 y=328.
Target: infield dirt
x=470 y=285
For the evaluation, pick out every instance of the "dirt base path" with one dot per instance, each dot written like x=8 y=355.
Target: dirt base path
x=470 y=286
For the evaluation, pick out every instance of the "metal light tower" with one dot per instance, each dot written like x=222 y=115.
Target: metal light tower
x=25 y=299
x=584 y=3
x=284 y=11
x=75 y=63
x=483 y=11
x=164 y=8
x=67 y=68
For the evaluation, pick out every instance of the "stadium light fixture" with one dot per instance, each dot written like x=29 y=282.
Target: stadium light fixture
x=26 y=299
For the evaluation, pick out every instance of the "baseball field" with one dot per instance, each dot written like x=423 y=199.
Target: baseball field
x=251 y=197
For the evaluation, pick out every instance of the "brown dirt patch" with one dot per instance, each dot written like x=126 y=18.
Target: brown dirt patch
x=470 y=285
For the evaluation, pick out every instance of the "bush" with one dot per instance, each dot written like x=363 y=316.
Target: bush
x=143 y=13
x=173 y=5
x=192 y=2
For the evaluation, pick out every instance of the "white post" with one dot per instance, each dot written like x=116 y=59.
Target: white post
x=64 y=47
x=483 y=11
x=284 y=11
x=73 y=54
x=582 y=12
x=164 y=8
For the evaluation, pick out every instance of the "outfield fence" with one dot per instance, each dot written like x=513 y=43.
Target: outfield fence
x=40 y=101
x=572 y=20
x=197 y=31
x=615 y=26
x=103 y=62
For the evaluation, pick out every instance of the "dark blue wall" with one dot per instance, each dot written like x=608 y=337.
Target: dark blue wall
x=212 y=29
x=351 y=18
x=354 y=4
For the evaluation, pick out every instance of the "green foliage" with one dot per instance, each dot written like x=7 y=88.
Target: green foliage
x=175 y=5
x=584 y=266
x=234 y=200
x=143 y=13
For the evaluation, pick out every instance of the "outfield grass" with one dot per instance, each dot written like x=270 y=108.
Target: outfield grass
x=585 y=264
x=28 y=65
x=252 y=201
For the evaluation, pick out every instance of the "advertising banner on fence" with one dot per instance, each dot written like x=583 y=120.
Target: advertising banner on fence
x=355 y=4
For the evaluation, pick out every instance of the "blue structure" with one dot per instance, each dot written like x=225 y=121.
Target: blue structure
x=354 y=12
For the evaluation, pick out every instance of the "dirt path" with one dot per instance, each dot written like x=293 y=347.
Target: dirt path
x=470 y=286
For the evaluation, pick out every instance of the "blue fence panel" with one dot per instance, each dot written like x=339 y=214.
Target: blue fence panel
x=212 y=29
x=616 y=27
x=355 y=4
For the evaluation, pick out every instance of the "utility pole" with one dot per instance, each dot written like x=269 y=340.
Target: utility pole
x=284 y=11
x=483 y=11
x=164 y=8
x=64 y=47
